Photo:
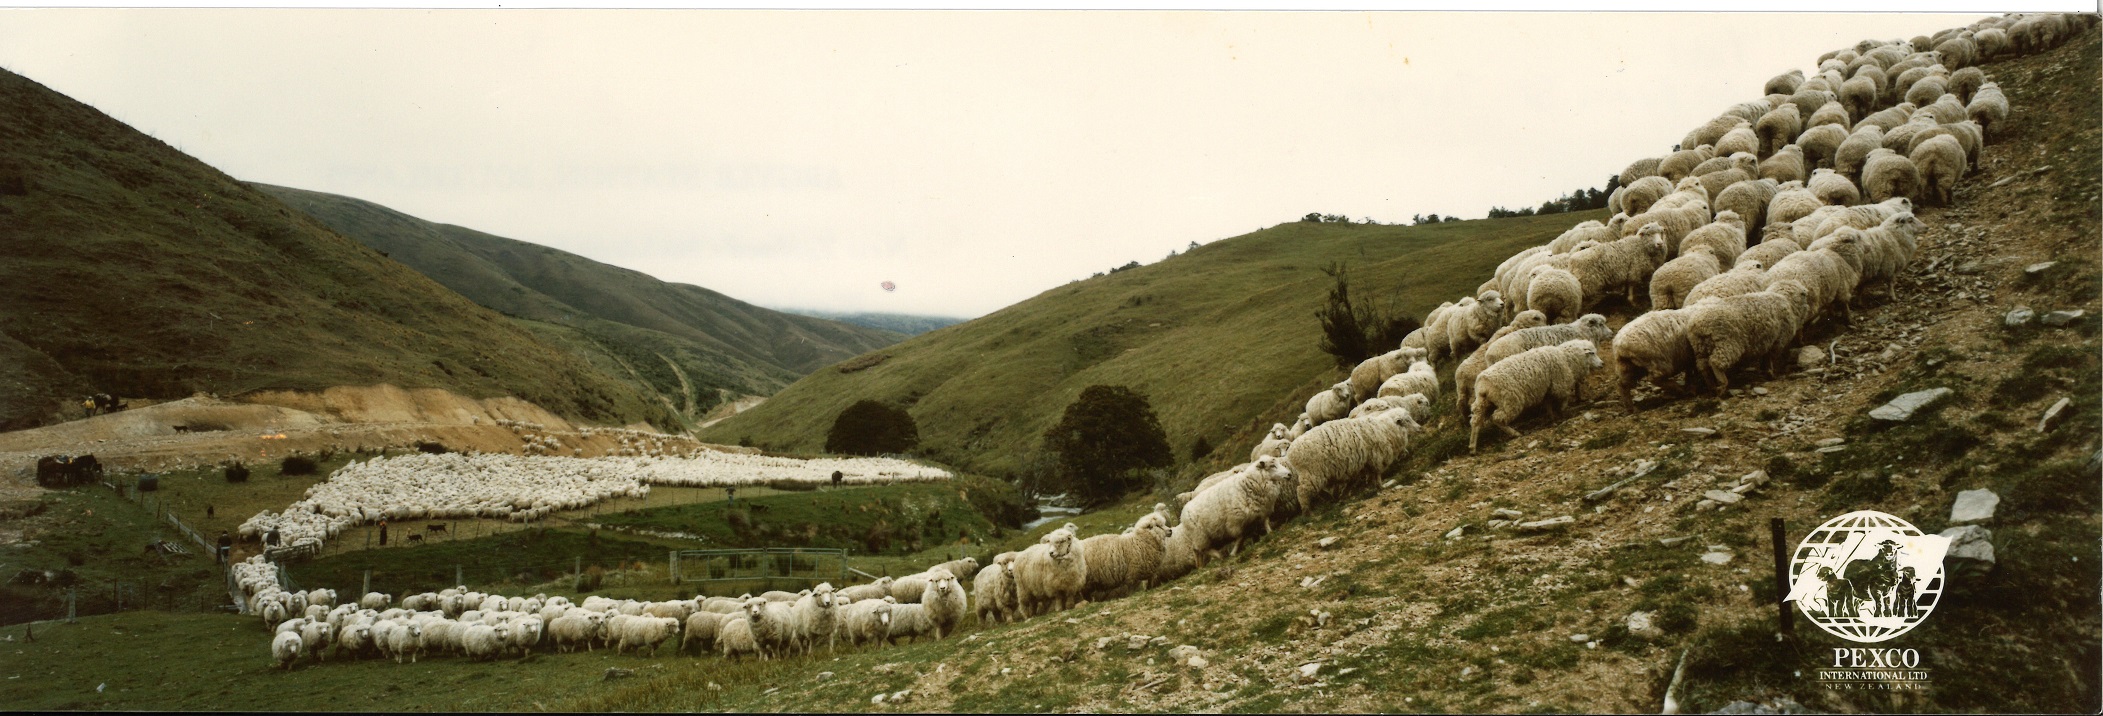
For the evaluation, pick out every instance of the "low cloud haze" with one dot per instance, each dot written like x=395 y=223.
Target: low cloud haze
x=973 y=158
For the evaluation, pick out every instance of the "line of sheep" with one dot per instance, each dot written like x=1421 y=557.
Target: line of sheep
x=458 y=621
x=522 y=488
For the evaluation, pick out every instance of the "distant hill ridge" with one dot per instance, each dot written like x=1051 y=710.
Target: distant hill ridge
x=909 y=324
x=691 y=346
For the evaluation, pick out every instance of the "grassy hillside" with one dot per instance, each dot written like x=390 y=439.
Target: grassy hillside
x=692 y=345
x=134 y=269
x=1219 y=339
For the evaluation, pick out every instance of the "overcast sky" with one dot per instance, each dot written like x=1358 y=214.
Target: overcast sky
x=800 y=159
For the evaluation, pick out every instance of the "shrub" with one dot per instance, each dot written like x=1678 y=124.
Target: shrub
x=872 y=428
x=297 y=465
x=237 y=473
x=1199 y=448
x=1353 y=331
x=591 y=579
x=1106 y=438
x=432 y=448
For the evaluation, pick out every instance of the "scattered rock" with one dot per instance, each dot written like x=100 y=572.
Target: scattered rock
x=1135 y=642
x=1674 y=541
x=2005 y=181
x=1641 y=626
x=1312 y=582
x=1455 y=532
x=1308 y=670
x=1197 y=662
x=1699 y=432
x=1103 y=644
x=1509 y=514
x=1551 y=523
x=1810 y=357
x=1830 y=449
x=2020 y=316
x=1723 y=497
x=615 y=672
x=1829 y=442
x=824 y=675
x=2053 y=414
x=2037 y=268
x=1902 y=408
x=1321 y=618
x=1717 y=557
x=1183 y=653
x=1974 y=506
x=1968 y=267
x=1157 y=641
x=901 y=695
x=1759 y=391
x=1971 y=550
x=877 y=699
x=1326 y=542
x=2061 y=318
x=1706 y=505
x=713 y=686
x=1580 y=638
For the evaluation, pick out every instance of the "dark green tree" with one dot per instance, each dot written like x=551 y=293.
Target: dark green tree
x=1356 y=328
x=872 y=428
x=1105 y=441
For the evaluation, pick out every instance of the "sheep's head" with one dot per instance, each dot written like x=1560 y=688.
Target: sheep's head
x=1419 y=407
x=1799 y=296
x=1491 y=303
x=1730 y=218
x=1905 y=221
x=1061 y=541
x=1528 y=318
x=1342 y=390
x=1749 y=264
x=1588 y=350
x=1153 y=525
x=754 y=607
x=1412 y=354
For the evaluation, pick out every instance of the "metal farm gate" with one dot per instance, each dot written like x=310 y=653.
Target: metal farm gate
x=812 y=565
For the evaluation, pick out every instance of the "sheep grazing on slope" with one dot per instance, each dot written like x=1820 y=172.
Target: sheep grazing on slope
x=1273 y=443
x=375 y=600
x=1848 y=160
x=815 y=617
x=1420 y=379
x=1834 y=112
x=1433 y=331
x=1678 y=165
x=1550 y=375
x=1126 y=562
x=1470 y=328
x=1821 y=144
x=1520 y=283
x=1829 y=271
x=1779 y=127
x=945 y=603
x=873 y=590
x=577 y=627
x=1785 y=165
x=1784 y=83
x=1622 y=266
x=1591 y=326
x=285 y=648
x=774 y=624
x=1671 y=283
x=1988 y=107
x=1739 y=139
x=1370 y=373
x=1748 y=200
x=1641 y=195
x=1653 y=345
x=1885 y=250
x=1229 y=511
x=866 y=621
x=962 y=569
x=735 y=638
x=1711 y=131
x=1746 y=276
x=1762 y=324
x=994 y=588
x=1554 y=292
x=1965 y=83
x=1858 y=95
x=702 y=629
x=1050 y=575
x=1940 y=163
x=909 y=622
x=1329 y=404
x=1833 y=189
x=1418 y=404
x=1638 y=169
x=1792 y=201
x=1725 y=237
x=482 y=641
x=1887 y=174
x=1330 y=457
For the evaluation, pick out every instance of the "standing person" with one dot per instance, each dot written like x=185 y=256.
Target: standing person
x=732 y=493
x=836 y=477
x=383 y=533
x=226 y=546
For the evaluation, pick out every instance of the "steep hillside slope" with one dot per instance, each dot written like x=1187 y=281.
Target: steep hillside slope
x=1216 y=338
x=136 y=270
x=910 y=325
x=720 y=346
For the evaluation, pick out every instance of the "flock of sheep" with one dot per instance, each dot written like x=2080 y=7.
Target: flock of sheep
x=458 y=621
x=1822 y=172
x=521 y=488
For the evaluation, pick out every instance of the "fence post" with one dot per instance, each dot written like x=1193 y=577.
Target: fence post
x=577 y=568
x=72 y=603
x=1781 y=577
x=368 y=585
x=458 y=579
x=673 y=570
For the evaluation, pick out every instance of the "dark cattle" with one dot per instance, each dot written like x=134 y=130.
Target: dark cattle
x=66 y=470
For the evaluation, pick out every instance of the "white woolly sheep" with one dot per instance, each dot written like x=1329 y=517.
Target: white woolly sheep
x=482 y=641
x=1469 y=328
x=994 y=591
x=874 y=590
x=866 y=621
x=1740 y=138
x=909 y=622
x=1834 y=112
x=1636 y=170
x=1725 y=236
x=1785 y=165
x=1671 y=283
x=702 y=629
x=1746 y=276
x=1965 y=83
x=774 y=623
x=375 y=600
x=1228 y=512
x=1847 y=161
x=1761 y=324
x=1779 y=127
x=285 y=648
x=1833 y=189
x=1591 y=326
x=945 y=603
x=1621 y=266
x=1548 y=375
x=1421 y=378
x=1940 y=163
x=1418 y=404
x=1858 y=95
x=1792 y=201
x=1370 y=373
x=1678 y=165
x=734 y=638
x=1988 y=107
x=1325 y=406
x=1888 y=118
x=1555 y=292
x=1273 y=443
x=404 y=640
x=1334 y=455
x=1052 y=574
x=1638 y=197
x=1784 y=83
x=1748 y=200
x=815 y=616
x=1828 y=272
x=1654 y=345
x=1820 y=144
x=1887 y=174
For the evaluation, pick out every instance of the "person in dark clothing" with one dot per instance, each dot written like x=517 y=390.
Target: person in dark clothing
x=226 y=546
x=383 y=533
x=836 y=477
x=208 y=510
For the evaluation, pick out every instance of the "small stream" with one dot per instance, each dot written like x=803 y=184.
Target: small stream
x=1051 y=508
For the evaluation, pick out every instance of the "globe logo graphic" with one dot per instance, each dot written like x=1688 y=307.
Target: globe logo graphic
x=1867 y=576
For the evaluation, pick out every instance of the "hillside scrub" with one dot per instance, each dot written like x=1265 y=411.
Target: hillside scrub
x=872 y=428
x=1105 y=441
